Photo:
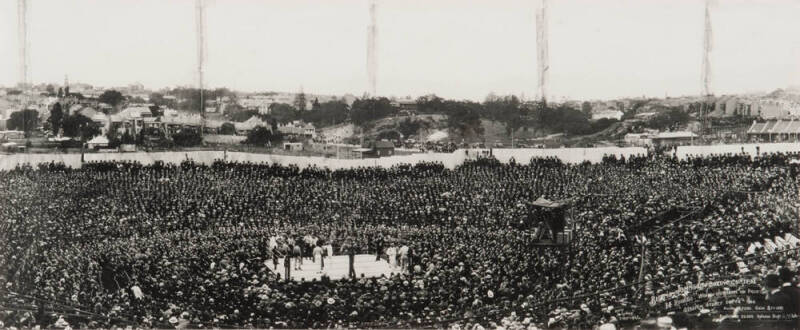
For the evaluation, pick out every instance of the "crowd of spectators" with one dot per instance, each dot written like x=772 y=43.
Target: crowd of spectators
x=116 y=244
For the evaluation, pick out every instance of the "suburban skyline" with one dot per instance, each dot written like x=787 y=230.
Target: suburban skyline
x=455 y=49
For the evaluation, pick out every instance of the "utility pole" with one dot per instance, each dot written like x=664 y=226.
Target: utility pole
x=542 y=51
x=200 y=27
x=22 y=30
x=705 y=74
x=372 y=40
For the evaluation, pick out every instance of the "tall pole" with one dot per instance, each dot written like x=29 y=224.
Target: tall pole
x=542 y=51
x=22 y=30
x=200 y=27
x=706 y=68
x=372 y=43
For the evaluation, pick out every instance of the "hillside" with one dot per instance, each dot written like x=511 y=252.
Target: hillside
x=432 y=127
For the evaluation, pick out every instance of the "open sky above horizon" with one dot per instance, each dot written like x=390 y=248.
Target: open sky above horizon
x=462 y=49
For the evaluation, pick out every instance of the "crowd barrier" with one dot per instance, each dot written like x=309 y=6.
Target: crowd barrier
x=450 y=160
x=566 y=155
x=749 y=148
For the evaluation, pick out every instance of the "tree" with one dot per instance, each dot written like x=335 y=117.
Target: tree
x=187 y=137
x=56 y=118
x=60 y=92
x=328 y=113
x=25 y=120
x=157 y=98
x=389 y=135
x=315 y=105
x=463 y=117
x=243 y=115
x=670 y=119
x=369 y=109
x=227 y=129
x=156 y=110
x=430 y=104
x=408 y=127
x=51 y=90
x=80 y=126
x=262 y=136
x=506 y=109
x=300 y=101
x=111 y=97
x=283 y=112
x=586 y=108
x=115 y=139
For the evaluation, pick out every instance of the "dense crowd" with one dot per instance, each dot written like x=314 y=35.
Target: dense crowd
x=188 y=245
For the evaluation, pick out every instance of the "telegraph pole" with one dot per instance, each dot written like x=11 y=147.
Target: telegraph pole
x=705 y=74
x=542 y=51
x=200 y=27
x=372 y=61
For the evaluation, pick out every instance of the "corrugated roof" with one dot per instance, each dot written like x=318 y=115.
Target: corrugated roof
x=776 y=127
x=756 y=127
x=793 y=127
x=674 y=135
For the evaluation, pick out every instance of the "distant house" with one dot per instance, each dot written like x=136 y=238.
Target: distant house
x=212 y=126
x=133 y=119
x=292 y=146
x=99 y=141
x=638 y=139
x=374 y=149
x=102 y=120
x=383 y=148
x=645 y=115
x=245 y=127
x=298 y=129
x=406 y=107
x=174 y=120
x=668 y=139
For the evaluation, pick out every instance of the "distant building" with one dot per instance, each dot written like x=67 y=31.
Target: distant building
x=292 y=146
x=608 y=114
x=99 y=141
x=245 y=127
x=668 y=139
x=638 y=139
x=298 y=129
x=374 y=149
x=406 y=107
x=775 y=130
x=102 y=120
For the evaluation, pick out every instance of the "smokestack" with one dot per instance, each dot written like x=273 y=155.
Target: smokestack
x=372 y=61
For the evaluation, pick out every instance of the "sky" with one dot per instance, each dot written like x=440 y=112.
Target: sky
x=463 y=49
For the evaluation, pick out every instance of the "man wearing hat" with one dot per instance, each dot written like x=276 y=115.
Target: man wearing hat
x=287 y=264
x=786 y=277
x=774 y=295
x=351 y=256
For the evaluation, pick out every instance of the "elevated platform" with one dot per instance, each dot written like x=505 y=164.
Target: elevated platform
x=337 y=267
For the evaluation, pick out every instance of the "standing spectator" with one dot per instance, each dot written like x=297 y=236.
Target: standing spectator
x=318 y=255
